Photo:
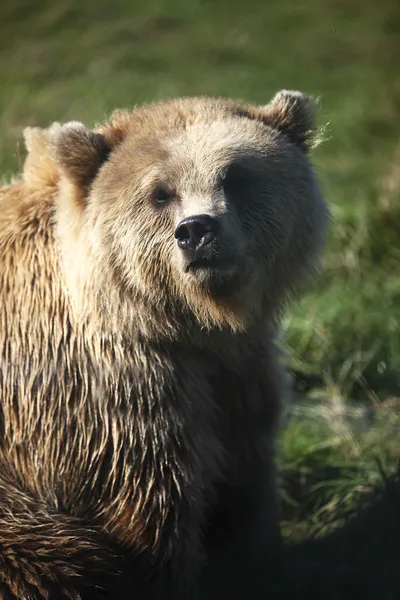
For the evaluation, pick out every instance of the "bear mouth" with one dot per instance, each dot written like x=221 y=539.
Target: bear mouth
x=203 y=263
x=215 y=276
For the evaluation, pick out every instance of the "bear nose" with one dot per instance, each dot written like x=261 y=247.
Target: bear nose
x=196 y=232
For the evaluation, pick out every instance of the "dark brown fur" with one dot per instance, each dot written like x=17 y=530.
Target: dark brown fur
x=139 y=404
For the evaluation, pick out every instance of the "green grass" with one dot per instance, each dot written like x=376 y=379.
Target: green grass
x=62 y=60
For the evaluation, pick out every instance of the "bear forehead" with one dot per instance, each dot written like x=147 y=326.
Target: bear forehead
x=195 y=122
x=199 y=141
x=188 y=142
x=195 y=156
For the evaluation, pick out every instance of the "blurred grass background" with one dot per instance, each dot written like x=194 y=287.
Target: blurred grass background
x=64 y=59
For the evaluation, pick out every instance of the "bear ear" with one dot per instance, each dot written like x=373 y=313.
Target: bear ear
x=78 y=152
x=293 y=114
x=39 y=169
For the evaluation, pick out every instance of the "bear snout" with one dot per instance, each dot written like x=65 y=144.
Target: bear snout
x=193 y=233
x=197 y=238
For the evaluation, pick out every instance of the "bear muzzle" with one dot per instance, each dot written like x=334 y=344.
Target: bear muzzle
x=197 y=238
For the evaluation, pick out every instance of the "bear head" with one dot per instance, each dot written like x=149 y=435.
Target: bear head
x=196 y=212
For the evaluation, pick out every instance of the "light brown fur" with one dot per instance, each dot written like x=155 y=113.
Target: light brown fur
x=135 y=396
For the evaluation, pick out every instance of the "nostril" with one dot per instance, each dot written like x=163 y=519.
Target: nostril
x=182 y=233
x=200 y=230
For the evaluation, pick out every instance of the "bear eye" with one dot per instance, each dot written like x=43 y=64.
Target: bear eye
x=161 y=195
x=234 y=178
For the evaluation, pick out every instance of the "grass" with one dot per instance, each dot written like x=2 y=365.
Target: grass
x=62 y=60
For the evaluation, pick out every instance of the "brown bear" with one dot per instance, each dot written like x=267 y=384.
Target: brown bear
x=144 y=266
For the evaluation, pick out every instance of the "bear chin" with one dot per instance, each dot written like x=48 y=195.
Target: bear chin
x=219 y=280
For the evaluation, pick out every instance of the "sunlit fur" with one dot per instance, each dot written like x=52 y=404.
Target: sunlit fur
x=139 y=403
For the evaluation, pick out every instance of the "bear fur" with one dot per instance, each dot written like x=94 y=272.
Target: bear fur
x=140 y=390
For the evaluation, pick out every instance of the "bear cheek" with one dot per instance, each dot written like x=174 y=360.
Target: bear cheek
x=176 y=264
x=153 y=264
